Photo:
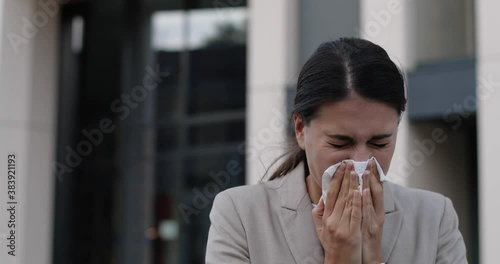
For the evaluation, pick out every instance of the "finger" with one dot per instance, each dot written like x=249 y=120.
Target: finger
x=344 y=201
x=367 y=209
x=344 y=190
x=377 y=194
x=356 y=216
x=333 y=189
x=377 y=189
x=317 y=213
x=353 y=186
x=374 y=169
x=366 y=180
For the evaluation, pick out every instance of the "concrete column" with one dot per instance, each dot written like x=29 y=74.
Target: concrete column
x=28 y=89
x=488 y=114
x=272 y=55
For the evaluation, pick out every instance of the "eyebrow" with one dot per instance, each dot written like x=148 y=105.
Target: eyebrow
x=382 y=136
x=348 y=138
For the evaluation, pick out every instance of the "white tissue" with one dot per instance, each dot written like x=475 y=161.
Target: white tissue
x=359 y=167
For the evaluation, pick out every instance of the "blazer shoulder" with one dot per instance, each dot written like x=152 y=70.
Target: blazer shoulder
x=247 y=195
x=418 y=200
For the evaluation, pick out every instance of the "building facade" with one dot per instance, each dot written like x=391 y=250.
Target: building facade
x=127 y=117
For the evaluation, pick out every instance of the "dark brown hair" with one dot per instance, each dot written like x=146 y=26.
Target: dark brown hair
x=334 y=70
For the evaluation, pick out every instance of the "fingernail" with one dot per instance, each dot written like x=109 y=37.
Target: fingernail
x=354 y=176
x=342 y=166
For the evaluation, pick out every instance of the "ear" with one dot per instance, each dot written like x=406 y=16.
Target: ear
x=299 y=130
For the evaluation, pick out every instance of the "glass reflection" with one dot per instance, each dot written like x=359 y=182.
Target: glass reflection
x=168 y=27
x=195 y=29
x=208 y=28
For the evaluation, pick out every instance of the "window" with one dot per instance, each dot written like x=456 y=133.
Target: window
x=200 y=122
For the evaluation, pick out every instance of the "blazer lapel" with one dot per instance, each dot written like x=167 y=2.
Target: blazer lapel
x=295 y=214
x=392 y=223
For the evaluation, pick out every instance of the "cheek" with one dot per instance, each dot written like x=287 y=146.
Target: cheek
x=320 y=157
x=384 y=158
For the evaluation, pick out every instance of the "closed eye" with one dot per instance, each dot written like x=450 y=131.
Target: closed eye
x=339 y=146
x=380 y=145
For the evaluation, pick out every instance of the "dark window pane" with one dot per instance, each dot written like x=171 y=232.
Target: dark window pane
x=217 y=72
x=223 y=169
x=166 y=221
x=216 y=4
x=164 y=4
x=169 y=89
x=203 y=176
x=217 y=133
x=167 y=176
x=218 y=80
x=166 y=137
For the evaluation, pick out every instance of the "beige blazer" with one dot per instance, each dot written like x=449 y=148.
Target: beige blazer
x=272 y=223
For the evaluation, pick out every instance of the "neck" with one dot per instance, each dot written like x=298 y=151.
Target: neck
x=313 y=189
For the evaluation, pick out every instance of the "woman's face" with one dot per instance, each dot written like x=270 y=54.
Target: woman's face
x=354 y=128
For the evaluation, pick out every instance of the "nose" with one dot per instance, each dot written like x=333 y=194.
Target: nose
x=361 y=153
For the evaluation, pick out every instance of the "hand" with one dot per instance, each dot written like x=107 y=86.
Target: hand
x=373 y=215
x=338 y=222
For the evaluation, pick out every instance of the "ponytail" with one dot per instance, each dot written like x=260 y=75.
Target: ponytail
x=294 y=156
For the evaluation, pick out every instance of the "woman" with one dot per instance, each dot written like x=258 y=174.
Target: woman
x=350 y=97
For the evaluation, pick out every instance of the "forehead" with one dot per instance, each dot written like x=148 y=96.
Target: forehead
x=356 y=116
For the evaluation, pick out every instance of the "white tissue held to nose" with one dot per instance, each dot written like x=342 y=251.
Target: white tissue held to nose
x=359 y=167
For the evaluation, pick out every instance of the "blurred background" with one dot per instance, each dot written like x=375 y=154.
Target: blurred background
x=129 y=116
